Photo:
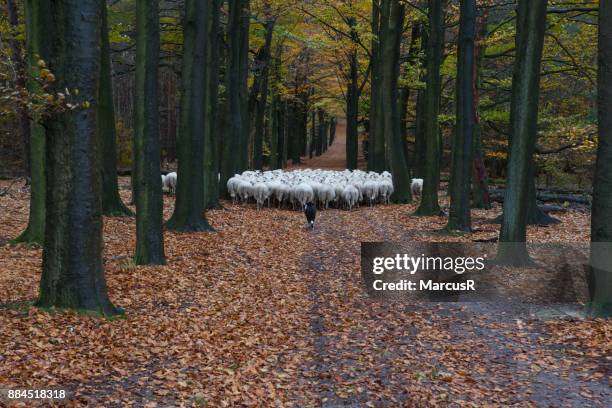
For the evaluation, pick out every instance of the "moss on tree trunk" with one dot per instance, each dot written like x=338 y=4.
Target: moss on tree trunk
x=148 y=195
x=73 y=274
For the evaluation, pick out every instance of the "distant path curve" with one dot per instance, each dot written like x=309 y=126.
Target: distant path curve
x=335 y=156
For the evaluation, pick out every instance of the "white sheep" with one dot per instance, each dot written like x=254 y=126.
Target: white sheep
x=370 y=190
x=232 y=187
x=261 y=192
x=244 y=189
x=386 y=190
x=350 y=195
x=170 y=182
x=326 y=195
x=303 y=194
x=416 y=186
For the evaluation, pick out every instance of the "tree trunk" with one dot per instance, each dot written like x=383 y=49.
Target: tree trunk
x=460 y=218
x=190 y=201
x=531 y=23
x=601 y=220
x=20 y=81
x=275 y=143
x=352 y=111
x=107 y=137
x=147 y=184
x=320 y=131
x=211 y=120
x=38 y=32
x=391 y=24
x=313 y=133
x=285 y=133
x=232 y=146
x=243 y=86
x=259 y=93
x=535 y=215
x=480 y=188
x=431 y=175
x=404 y=91
x=376 y=142
x=73 y=273
x=419 y=126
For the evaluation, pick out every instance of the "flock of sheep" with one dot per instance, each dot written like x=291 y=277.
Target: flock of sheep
x=342 y=189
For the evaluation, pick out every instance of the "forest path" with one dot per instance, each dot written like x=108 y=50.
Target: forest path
x=425 y=354
x=335 y=156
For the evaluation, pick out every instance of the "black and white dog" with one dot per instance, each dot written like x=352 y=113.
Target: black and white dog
x=310 y=210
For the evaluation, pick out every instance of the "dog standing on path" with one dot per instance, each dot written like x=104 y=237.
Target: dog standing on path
x=311 y=213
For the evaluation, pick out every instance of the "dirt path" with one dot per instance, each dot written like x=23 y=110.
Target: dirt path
x=427 y=354
x=335 y=156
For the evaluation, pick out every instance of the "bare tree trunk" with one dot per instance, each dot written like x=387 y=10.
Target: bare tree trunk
x=435 y=44
x=190 y=200
x=147 y=183
x=601 y=219
x=460 y=215
x=531 y=23
x=107 y=136
x=73 y=272
x=38 y=33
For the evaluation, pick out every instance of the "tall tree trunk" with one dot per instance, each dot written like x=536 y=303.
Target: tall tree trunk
x=319 y=132
x=352 y=100
x=376 y=143
x=284 y=121
x=38 y=35
x=531 y=23
x=20 y=81
x=274 y=124
x=404 y=90
x=480 y=187
x=313 y=132
x=107 y=137
x=419 y=126
x=352 y=111
x=391 y=24
x=73 y=272
x=435 y=46
x=211 y=120
x=243 y=77
x=259 y=93
x=232 y=146
x=460 y=218
x=601 y=219
x=190 y=201
x=148 y=197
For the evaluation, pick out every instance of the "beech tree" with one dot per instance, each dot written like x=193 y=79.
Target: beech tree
x=111 y=201
x=73 y=272
x=391 y=28
x=38 y=33
x=460 y=185
x=530 y=26
x=601 y=219
x=190 y=200
x=212 y=136
x=147 y=183
x=431 y=109
x=20 y=81
x=235 y=144
x=259 y=91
